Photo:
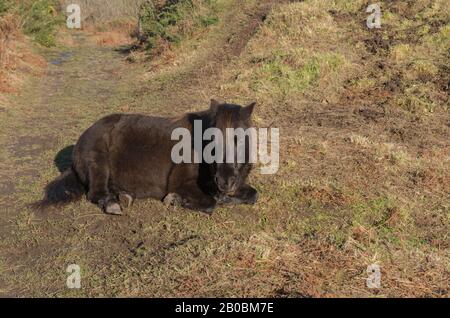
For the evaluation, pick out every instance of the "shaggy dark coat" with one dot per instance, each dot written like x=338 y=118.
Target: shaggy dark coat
x=125 y=157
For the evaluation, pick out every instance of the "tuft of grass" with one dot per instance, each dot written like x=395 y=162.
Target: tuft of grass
x=5 y=6
x=417 y=99
x=206 y=21
x=345 y=6
x=282 y=76
x=373 y=213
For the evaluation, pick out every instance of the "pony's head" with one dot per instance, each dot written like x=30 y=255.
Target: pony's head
x=230 y=175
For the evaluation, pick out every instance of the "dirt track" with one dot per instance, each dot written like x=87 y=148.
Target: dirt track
x=82 y=83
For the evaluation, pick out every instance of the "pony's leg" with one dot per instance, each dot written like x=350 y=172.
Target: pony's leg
x=125 y=198
x=244 y=195
x=98 y=187
x=190 y=196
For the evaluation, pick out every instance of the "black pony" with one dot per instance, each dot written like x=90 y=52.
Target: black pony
x=123 y=157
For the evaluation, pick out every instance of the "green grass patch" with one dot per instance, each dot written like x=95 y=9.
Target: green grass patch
x=39 y=19
x=176 y=19
x=368 y=222
x=417 y=98
x=286 y=73
x=5 y=6
x=374 y=213
x=208 y=20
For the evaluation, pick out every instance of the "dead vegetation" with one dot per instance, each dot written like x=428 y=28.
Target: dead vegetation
x=16 y=55
x=8 y=30
x=111 y=23
x=103 y=12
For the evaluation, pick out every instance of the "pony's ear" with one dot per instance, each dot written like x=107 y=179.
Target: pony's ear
x=246 y=112
x=214 y=105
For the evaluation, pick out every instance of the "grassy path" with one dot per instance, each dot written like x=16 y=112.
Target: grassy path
x=81 y=84
x=151 y=251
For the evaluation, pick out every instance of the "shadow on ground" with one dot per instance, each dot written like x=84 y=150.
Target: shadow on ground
x=63 y=159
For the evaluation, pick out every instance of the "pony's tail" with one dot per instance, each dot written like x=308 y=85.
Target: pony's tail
x=64 y=189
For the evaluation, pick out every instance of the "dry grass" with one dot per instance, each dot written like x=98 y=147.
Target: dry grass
x=113 y=33
x=8 y=31
x=16 y=56
x=111 y=23
x=98 y=12
x=344 y=97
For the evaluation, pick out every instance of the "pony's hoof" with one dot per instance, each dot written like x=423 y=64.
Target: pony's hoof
x=208 y=211
x=173 y=199
x=113 y=208
x=125 y=200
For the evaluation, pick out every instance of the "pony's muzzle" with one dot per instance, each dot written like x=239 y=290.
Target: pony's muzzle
x=226 y=185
